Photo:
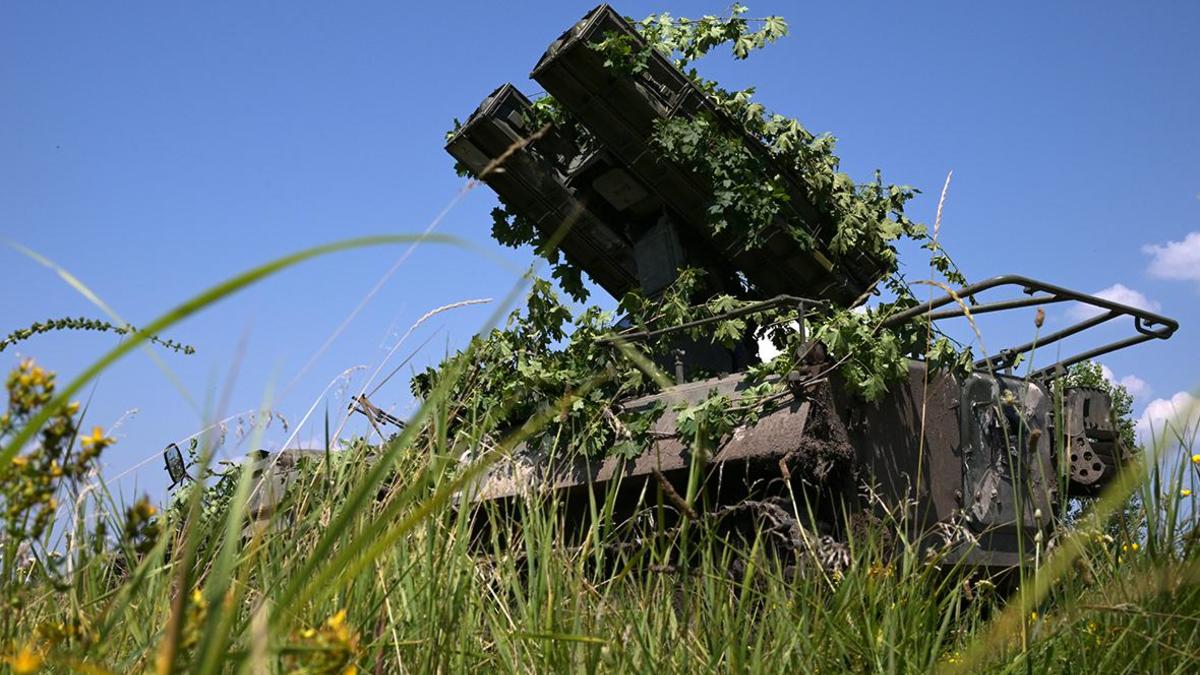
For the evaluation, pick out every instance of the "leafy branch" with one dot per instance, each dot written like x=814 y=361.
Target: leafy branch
x=81 y=323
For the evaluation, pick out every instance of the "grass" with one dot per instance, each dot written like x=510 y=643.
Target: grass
x=428 y=602
x=369 y=566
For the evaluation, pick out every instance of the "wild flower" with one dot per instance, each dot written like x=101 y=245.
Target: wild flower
x=75 y=629
x=329 y=650
x=94 y=444
x=194 y=620
x=25 y=660
x=35 y=477
x=880 y=571
x=96 y=439
x=1093 y=629
x=141 y=528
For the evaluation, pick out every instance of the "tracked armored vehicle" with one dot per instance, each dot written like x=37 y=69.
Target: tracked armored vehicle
x=975 y=452
x=982 y=459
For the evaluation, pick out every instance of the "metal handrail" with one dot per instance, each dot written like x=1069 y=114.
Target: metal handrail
x=1149 y=325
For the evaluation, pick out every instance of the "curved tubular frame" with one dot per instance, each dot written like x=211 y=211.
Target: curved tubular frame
x=1148 y=325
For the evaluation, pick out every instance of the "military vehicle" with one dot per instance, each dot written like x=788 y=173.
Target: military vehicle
x=973 y=454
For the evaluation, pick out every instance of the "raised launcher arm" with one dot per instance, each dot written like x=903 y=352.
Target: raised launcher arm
x=527 y=167
x=592 y=209
x=623 y=212
x=1093 y=449
x=622 y=111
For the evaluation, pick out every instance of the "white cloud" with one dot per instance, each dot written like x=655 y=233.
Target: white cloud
x=1166 y=419
x=1179 y=260
x=1116 y=293
x=1136 y=386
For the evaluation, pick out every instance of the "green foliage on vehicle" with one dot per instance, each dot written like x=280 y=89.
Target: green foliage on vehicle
x=530 y=364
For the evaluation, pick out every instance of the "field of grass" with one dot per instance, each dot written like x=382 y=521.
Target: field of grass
x=370 y=567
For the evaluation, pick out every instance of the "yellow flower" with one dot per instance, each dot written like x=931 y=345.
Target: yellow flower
x=1134 y=546
x=25 y=661
x=337 y=620
x=1196 y=459
x=1185 y=493
x=1033 y=616
x=97 y=439
x=879 y=570
x=339 y=629
x=143 y=509
x=336 y=647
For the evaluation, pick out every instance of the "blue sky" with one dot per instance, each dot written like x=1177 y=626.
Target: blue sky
x=155 y=149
